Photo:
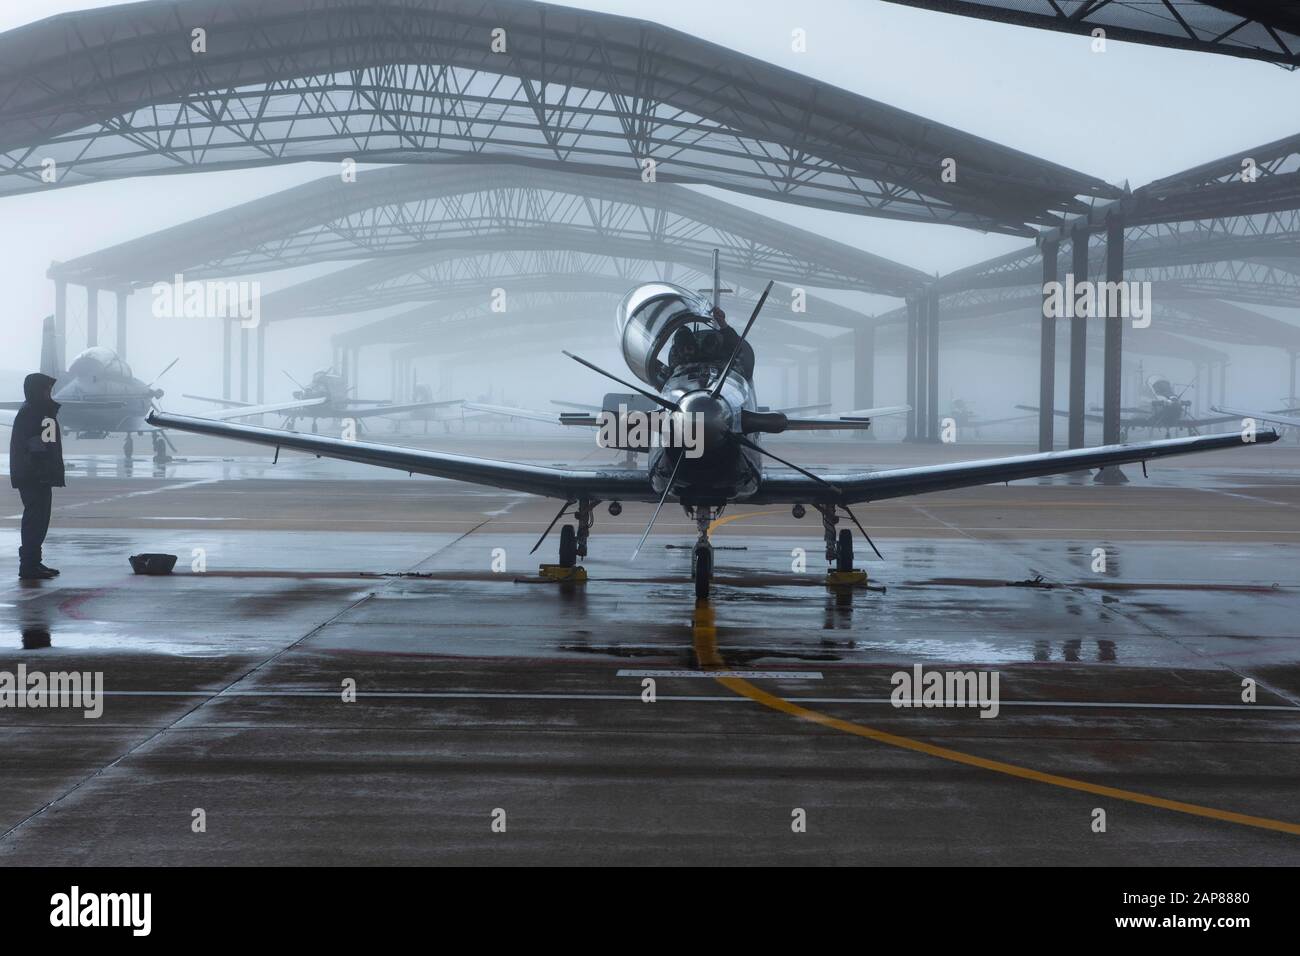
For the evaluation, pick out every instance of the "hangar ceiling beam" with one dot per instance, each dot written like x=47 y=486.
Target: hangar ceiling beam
x=120 y=91
x=1266 y=30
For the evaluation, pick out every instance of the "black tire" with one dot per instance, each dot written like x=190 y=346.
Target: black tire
x=568 y=546
x=703 y=571
x=844 y=552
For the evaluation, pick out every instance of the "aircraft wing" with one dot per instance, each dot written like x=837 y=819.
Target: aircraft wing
x=378 y=411
x=857 y=419
x=246 y=411
x=532 y=415
x=1291 y=421
x=1063 y=414
x=228 y=402
x=563 y=483
x=901 y=482
x=71 y=403
x=510 y=411
x=579 y=406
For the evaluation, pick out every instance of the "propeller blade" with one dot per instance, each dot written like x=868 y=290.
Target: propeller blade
x=558 y=515
x=657 y=399
x=848 y=511
x=735 y=354
x=789 y=464
x=163 y=372
x=662 y=498
x=294 y=380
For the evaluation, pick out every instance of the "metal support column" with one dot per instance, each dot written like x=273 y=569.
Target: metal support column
x=1113 y=348
x=261 y=363
x=932 y=364
x=121 y=324
x=92 y=317
x=61 y=321
x=1078 y=336
x=824 y=359
x=912 y=350
x=225 y=359
x=864 y=372
x=1047 y=351
x=864 y=366
x=244 y=336
x=804 y=373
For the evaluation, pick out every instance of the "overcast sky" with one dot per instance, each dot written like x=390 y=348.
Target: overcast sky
x=1134 y=113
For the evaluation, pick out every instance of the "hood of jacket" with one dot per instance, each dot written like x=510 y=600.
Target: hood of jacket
x=36 y=389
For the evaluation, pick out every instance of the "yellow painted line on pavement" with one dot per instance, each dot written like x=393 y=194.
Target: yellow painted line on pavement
x=705 y=632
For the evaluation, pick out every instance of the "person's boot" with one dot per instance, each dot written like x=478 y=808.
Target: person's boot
x=50 y=571
x=37 y=573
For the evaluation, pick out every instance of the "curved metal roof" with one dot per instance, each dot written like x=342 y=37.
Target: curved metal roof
x=1257 y=29
x=513 y=261
x=117 y=92
x=418 y=210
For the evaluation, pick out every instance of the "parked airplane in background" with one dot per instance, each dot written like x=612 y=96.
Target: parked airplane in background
x=706 y=378
x=325 y=397
x=963 y=415
x=1166 y=410
x=98 y=396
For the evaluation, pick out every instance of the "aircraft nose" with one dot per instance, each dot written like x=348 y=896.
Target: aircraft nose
x=709 y=416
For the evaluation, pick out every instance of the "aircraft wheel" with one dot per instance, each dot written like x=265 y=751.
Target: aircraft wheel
x=703 y=571
x=844 y=551
x=568 y=546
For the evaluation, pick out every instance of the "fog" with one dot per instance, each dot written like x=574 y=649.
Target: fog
x=1133 y=114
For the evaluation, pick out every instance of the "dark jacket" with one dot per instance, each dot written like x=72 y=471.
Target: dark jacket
x=34 y=460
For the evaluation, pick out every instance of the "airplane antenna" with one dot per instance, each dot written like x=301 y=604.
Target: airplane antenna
x=716 y=290
x=717 y=280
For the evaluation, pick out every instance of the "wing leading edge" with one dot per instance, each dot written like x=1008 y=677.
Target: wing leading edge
x=533 y=479
x=900 y=482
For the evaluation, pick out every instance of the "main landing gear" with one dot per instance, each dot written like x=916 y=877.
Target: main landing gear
x=573 y=538
x=839 y=548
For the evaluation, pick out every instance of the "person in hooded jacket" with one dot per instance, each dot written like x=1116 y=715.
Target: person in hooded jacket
x=36 y=469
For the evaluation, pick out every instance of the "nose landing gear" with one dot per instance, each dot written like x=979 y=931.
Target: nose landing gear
x=702 y=555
